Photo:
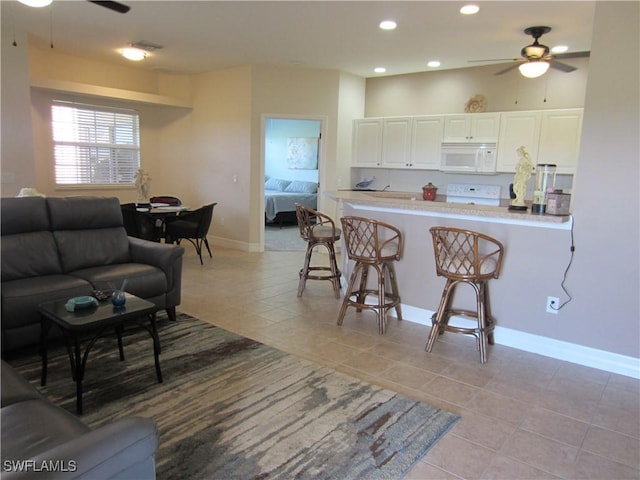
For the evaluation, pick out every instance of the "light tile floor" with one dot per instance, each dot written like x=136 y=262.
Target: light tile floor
x=524 y=416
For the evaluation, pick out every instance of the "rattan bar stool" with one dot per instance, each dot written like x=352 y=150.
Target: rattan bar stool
x=371 y=243
x=318 y=229
x=464 y=256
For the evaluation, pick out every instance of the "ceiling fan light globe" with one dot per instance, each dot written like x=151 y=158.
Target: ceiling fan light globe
x=36 y=3
x=533 y=69
x=133 y=54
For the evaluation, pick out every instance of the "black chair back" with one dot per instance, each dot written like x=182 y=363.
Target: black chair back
x=192 y=226
x=139 y=224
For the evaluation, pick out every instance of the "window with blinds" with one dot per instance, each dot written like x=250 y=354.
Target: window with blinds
x=95 y=145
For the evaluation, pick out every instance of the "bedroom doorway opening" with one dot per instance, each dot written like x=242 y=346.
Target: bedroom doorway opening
x=292 y=153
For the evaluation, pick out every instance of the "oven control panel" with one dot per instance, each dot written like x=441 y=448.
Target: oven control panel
x=473 y=193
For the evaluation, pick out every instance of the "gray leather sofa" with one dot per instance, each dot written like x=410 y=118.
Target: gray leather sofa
x=40 y=440
x=62 y=247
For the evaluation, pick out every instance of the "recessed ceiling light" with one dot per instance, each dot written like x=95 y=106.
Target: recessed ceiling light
x=469 y=9
x=433 y=63
x=559 y=49
x=388 y=25
x=135 y=54
x=379 y=69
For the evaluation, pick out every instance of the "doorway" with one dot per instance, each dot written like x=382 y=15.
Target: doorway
x=292 y=157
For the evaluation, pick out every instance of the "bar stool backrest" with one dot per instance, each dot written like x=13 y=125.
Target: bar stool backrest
x=466 y=255
x=314 y=225
x=371 y=241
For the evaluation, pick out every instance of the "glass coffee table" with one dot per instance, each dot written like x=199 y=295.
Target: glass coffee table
x=93 y=323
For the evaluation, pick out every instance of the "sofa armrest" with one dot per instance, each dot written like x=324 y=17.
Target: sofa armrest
x=167 y=258
x=122 y=449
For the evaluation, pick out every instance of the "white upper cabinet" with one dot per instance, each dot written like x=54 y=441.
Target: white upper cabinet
x=367 y=142
x=517 y=129
x=426 y=140
x=471 y=128
x=560 y=139
x=396 y=142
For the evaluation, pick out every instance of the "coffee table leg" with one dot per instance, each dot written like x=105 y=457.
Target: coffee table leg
x=45 y=325
x=79 y=368
x=119 y=330
x=156 y=345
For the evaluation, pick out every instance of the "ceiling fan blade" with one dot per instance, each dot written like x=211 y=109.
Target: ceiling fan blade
x=572 y=55
x=508 y=69
x=562 y=66
x=495 y=60
x=111 y=5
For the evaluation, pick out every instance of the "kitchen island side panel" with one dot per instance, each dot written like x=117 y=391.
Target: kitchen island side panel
x=533 y=268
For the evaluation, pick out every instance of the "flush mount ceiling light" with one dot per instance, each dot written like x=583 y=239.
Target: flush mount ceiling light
x=470 y=9
x=379 y=69
x=534 y=68
x=388 y=25
x=433 y=63
x=36 y=3
x=560 y=49
x=134 y=54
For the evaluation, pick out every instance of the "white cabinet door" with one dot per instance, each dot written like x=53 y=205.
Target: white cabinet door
x=425 y=142
x=517 y=129
x=396 y=142
x=560 y=139
x=471 y=128
x=485 y=127
x=367 y=142
x=457 y=128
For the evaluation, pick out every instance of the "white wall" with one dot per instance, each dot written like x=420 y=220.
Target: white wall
x=605 y=276
x=277 y=134
x=16 y=142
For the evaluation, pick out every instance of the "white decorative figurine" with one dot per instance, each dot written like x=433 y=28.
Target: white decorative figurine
x=143 y=185
x=523 y=173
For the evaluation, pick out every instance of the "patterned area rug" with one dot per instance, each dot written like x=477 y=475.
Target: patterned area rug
x=233 y=408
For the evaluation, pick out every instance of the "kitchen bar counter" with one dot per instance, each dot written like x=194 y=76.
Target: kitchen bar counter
x=412 y=203
x=537 y=252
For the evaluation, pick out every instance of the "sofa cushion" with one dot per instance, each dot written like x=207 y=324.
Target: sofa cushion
x=20 y=297
x=29 y=255
x=86 y=248
x=88 y=231
x=144 y=281
x=35 y=426
x=22 y=215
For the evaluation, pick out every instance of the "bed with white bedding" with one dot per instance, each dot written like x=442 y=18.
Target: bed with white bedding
x=281 y=196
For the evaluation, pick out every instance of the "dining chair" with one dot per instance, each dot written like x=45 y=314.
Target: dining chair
x=167 y=199
x=140 y=224
x=192 y=226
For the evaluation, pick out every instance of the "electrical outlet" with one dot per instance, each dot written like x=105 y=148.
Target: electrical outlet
x=553 y=303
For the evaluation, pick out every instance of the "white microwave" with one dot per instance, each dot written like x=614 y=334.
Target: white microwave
x=468 y=158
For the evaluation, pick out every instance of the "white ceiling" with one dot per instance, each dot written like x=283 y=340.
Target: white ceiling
x=200 y=36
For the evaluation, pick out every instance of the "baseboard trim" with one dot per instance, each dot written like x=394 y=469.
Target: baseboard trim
x=234 y=244
x=549 y=347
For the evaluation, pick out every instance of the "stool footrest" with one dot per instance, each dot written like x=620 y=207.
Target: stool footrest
x=390 y=300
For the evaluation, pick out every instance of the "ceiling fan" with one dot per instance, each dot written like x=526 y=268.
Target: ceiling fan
x=115 y=6
x=536 y=58
x=111 y=5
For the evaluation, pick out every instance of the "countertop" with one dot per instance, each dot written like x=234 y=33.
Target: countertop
x=414 y=202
